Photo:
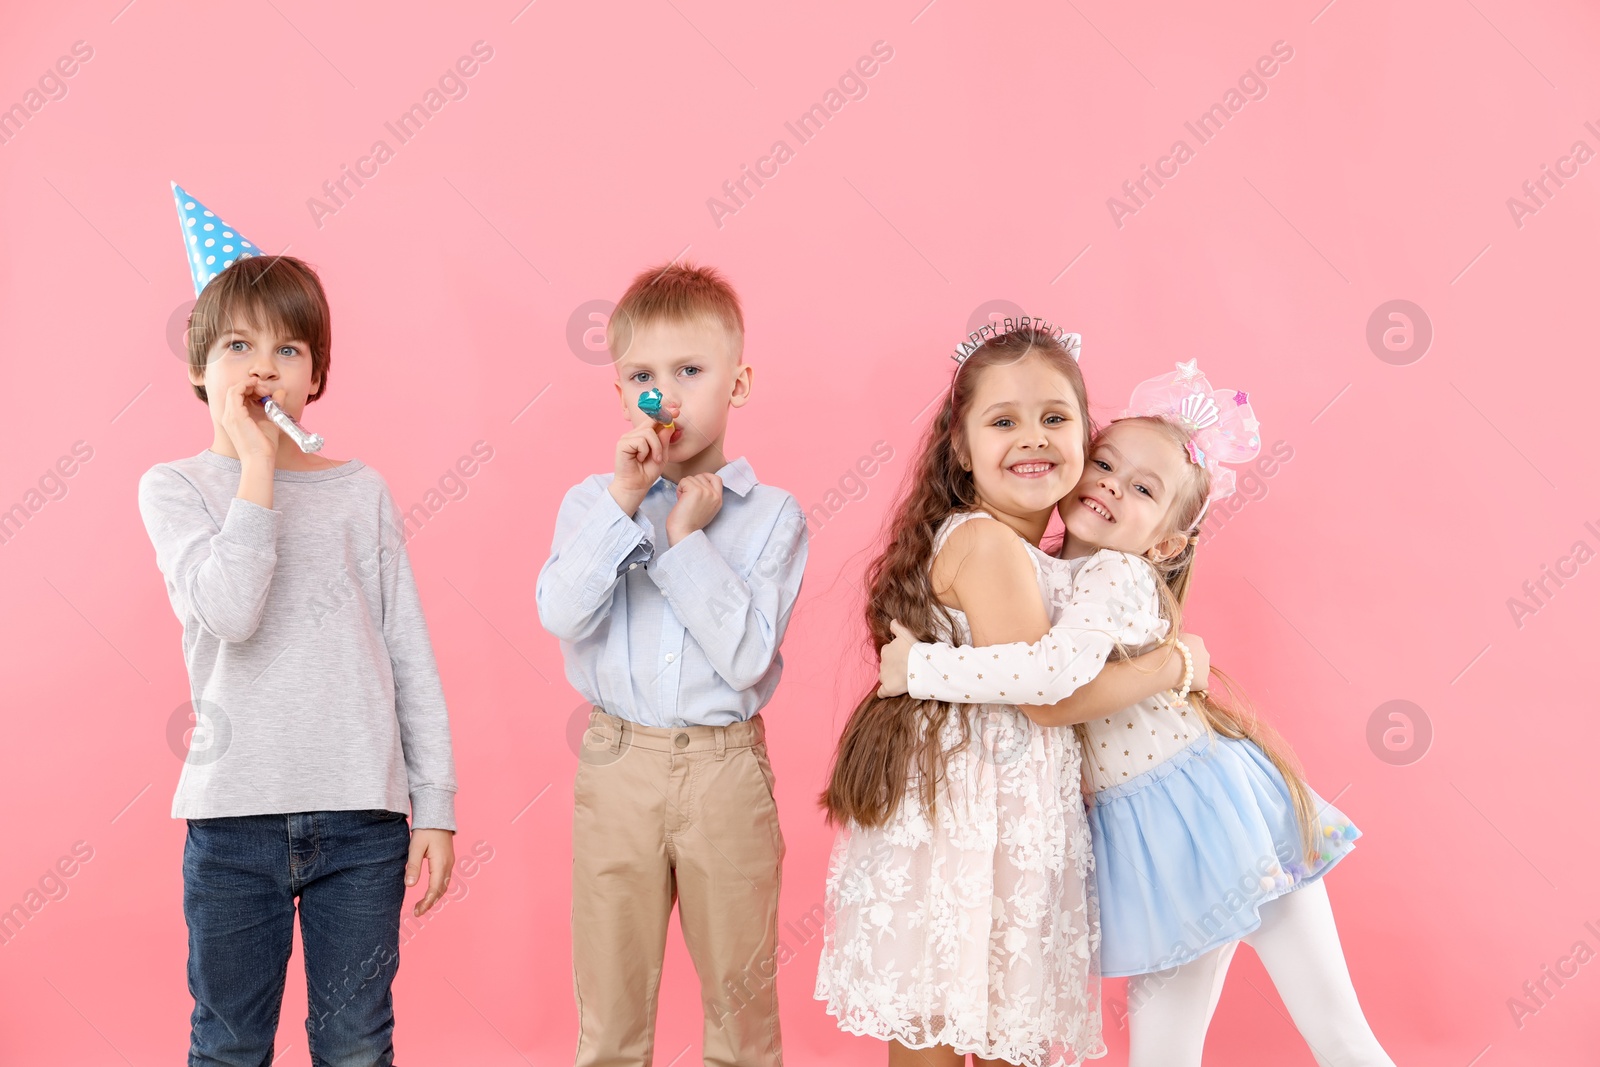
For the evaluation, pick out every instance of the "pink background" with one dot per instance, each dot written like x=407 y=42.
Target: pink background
x=1377 y=565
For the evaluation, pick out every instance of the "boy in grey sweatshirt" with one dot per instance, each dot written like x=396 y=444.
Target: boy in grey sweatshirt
x=320 y=718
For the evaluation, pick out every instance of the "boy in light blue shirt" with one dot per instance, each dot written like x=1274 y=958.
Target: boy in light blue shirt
x=670 y=584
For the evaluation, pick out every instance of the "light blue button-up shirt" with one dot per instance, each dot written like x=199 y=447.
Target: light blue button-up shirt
x=679 y=636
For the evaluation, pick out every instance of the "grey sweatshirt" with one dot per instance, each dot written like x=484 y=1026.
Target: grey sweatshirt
x=310 y=669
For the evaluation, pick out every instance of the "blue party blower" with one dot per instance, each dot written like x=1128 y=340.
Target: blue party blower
x=650 y=404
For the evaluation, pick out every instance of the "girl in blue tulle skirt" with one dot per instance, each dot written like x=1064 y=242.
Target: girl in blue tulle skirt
x=1204 y=833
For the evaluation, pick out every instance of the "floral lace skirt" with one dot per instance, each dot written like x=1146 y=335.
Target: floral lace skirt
x=976 y=928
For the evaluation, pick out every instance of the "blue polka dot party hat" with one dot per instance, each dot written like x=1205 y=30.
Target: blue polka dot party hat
x=211 y=243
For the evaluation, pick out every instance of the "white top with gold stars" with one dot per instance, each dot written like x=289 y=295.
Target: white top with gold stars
x=1137 y=739
x=1114 y=602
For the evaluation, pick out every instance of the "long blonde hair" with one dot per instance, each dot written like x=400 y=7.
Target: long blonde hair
x=1235 y=718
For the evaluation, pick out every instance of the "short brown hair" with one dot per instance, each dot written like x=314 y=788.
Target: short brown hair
x=675 y=292
x=282 y=291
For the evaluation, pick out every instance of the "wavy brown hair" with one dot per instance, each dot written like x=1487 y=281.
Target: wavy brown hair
x=891 y=742
x=1235 y=718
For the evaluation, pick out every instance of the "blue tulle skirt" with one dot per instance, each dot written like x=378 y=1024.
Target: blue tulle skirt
x=1186 y=853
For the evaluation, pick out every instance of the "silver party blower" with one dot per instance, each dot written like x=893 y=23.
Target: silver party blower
x=308 y=442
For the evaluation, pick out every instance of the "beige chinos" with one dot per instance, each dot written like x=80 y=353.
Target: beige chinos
x=685 y=815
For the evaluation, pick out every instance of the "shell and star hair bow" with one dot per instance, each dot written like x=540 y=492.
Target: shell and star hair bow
x=1222 y=428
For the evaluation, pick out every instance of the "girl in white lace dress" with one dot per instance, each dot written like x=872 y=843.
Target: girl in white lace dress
x=960 y=913
x=1205 y=835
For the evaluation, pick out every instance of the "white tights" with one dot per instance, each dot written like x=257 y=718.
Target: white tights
x=1168 y=1013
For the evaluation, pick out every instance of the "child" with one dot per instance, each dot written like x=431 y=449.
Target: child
x=313 y=681
x=960 y=918
x=1204 y=833
x=670 y=584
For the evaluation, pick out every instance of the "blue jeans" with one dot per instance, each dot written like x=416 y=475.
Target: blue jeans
x=241 y=877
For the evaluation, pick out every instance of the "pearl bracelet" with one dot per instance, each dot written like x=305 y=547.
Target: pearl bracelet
x=1182 y=692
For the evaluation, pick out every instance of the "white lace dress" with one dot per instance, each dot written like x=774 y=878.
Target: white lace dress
x=977 y=928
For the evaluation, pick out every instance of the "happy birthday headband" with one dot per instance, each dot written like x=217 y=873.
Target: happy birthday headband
x=989 y=331
x=1222 y=427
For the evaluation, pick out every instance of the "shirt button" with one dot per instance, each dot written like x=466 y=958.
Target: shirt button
x=682 y=740
x=670 y=657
